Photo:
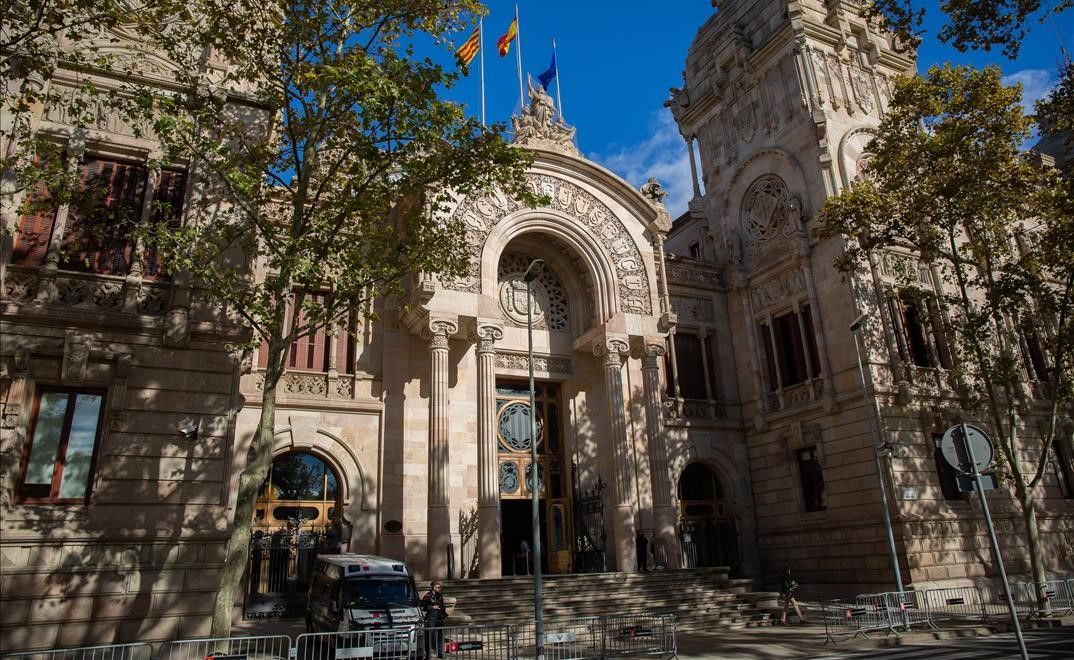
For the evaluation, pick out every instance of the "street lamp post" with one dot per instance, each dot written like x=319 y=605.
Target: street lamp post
x=538 y=619
x=874 y=432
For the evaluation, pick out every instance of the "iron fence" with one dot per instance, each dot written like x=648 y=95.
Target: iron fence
x=379 y=644
x=269 y=647
x=955 y=604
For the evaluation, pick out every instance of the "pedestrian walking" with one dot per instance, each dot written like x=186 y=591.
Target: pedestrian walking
x=788 y=590
x=435 y=613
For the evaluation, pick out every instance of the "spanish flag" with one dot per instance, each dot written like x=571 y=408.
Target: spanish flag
x=504 y=43
x=468 y=50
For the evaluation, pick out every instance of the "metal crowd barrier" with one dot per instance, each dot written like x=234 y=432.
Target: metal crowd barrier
x=228 y=648
x=909 y=609
x=994 y=601
x=470 y=642
x=858 y=617
x=630 y=635
x=956 y=603
x=1056 y=597
x=620 y=636
x=106 y=652
x=566 y=639
x=379 y=644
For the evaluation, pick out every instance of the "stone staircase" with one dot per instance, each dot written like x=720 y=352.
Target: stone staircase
x=700 y=598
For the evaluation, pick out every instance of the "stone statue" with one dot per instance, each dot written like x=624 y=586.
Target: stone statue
x=538 y=125
x=653 y=191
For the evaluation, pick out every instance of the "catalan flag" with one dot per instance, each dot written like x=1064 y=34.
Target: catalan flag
x=468 y=50
x=504 y=43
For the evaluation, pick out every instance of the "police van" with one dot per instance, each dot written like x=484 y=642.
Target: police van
x=352 y=592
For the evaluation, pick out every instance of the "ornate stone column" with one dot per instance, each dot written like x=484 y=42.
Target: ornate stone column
x=663 y=513
x=439 y=521
x=488 y=482
x=612 y=350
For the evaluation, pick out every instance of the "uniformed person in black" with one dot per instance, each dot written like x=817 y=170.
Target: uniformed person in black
x=433 y=604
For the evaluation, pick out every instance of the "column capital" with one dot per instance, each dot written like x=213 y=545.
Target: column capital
x=613 y=350
x=438 y=331
x=486 y=337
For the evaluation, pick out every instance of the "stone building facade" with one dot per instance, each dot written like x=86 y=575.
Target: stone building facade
x=696 y=382
x=780 y=101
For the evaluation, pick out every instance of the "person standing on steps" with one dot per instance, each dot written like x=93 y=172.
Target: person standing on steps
x=788 y=588
x=642 y=546
x=435 y=613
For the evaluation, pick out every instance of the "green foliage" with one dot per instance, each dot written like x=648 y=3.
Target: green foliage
x=972 y=24
x=327 y=151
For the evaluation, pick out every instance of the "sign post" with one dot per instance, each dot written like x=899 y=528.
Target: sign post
x=963 y=455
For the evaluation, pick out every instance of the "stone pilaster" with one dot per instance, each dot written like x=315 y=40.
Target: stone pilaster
x=488 y=489
x=667 y=543
x=612 y=350
x=439 y=523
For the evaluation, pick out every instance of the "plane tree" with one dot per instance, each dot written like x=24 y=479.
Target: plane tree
x=949 y=183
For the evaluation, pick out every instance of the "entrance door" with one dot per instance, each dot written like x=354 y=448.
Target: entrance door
x=517 y=477
x=295 y=519
x=708 y=531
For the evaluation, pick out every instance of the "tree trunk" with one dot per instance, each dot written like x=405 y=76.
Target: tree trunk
x=256 y=467
x=1036 y=561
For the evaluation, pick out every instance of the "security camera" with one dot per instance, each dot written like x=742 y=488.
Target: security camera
x=189 y=432
x=856 y=325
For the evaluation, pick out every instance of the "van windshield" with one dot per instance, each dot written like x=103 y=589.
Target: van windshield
x=378 y=592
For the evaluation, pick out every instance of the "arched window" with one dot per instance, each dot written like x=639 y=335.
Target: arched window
x=299 y=486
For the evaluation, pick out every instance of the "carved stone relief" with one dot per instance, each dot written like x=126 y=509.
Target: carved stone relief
x=863 y=89
x=76 y=352
x=787 y=285
x=480 y=215
x=549 y=297
x=552 y=365
x=693 y=308
x=765 y=209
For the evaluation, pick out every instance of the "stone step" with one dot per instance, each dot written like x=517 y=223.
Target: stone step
x=700 y=599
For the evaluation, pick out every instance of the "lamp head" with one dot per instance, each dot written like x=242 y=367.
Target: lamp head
x=858 y=322
x=534 y=269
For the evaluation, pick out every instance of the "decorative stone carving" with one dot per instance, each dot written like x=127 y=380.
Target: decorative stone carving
x=549 y=296
x=539 y=127
x=765 y=209
x=692 y=274
x=787 y=285
x=20 y=287
x=613 y=350
x=540 y=363
x=862 y=86
x=480 y=215
x=76 y=352
x=345 y=387
x=486 y=337
x=509 y=481
x=679 y=103
x=439 y=331
x=693 y=308
x=653 y=191
x=305 y=384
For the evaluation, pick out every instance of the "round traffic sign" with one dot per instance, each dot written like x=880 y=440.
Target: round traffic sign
x=954 y=450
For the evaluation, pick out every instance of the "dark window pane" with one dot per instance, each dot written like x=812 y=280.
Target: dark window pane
x=291 y=512
x=298 y=477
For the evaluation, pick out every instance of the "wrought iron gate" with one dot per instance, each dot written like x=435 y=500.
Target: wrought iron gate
x=278 y=570
x=589 y=534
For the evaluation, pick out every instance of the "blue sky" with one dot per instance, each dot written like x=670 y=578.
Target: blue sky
x=618 y=59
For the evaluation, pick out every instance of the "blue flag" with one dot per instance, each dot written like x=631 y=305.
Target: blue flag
x=547 y=76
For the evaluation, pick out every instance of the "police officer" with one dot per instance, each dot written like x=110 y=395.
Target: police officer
x=435 y=613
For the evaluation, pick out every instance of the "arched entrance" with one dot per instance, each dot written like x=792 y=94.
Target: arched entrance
x=297 y=517
x=708 y=530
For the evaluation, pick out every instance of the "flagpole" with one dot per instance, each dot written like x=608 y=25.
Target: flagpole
x=518 y=56
x=481 y=51
x=555 y=58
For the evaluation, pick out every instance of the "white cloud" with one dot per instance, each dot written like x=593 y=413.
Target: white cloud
x=662 y=155
x=1036 y=83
